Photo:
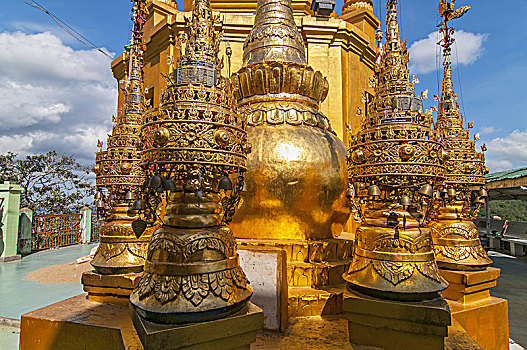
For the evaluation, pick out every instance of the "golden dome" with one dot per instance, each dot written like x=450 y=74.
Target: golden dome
x=296 y=173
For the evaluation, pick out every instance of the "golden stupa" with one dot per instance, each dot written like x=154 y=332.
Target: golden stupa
x=195 y=152
x=118 y=170
x=396 y=162
x=456 y=239
x=296 y=173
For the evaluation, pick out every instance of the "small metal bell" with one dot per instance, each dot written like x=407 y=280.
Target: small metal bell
x=443 y=193
x=483 y=192
x=426 y=190
x=451 y=192
x=225 y=184
x=169 y=185
x=480 y=200
x=199 y=194
x=243 y=186
x=406 y=200
x=350 y=193
x=99 y=204
x=98 y=195
x=138 y=204
x=374 y=191
x=129 y=196
x=155 y=181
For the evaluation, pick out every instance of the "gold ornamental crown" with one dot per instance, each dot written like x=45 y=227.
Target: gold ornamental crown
x=274 y=36
x=118 y=167
x=396 y=145
x=197 y=126
x=465 y=166
x=275 y=70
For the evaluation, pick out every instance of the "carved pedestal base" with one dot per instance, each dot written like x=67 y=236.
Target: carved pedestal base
x=311 y=267
x=78 y=324
x=485 y=318
x=110 y=289
x=395 y=325
x=305 y=302
x=235 y=332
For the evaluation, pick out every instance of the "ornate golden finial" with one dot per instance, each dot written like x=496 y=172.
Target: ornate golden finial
x=202 y=41
x=456 y=239
x=195 y=152
x=274 y=37
x=118 y=170
x=395 y=164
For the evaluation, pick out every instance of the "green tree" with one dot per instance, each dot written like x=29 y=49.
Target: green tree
x=53 y=183
x=515 y=210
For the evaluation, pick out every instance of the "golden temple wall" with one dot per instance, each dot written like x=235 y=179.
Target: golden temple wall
x=342 y=51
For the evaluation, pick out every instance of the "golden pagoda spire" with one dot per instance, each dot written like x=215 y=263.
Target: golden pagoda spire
x=448 y=96
x=195 y=152
x=456 y=239
x=274 y=36
x=118 y=169
x=203 y=42
x=395 y=162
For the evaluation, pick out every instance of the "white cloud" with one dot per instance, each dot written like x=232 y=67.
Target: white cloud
x=499 y=165
x=507 y=152
x=488 y=130
x=53 y=97
x=467 y=49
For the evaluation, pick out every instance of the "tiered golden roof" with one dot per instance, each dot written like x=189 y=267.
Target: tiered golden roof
x=352 y=5
x=456 y=238
x=396 y=160
x=195 y=152
x=118 y=170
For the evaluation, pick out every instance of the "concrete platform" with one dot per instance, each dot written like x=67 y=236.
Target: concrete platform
x=303 y=333
x=512 y=285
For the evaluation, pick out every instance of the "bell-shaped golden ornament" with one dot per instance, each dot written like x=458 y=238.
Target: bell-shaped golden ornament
x=393 y=254
x=192 y=272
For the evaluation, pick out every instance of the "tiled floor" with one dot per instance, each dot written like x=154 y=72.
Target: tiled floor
x=9 y=338
x=512 y=285
x=18 y=296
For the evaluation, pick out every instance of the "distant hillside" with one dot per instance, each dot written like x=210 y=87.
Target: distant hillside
x=514 y=210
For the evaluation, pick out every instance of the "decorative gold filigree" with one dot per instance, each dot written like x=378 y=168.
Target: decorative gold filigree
x=118 y=168
x=395 y=161
x=193 y=149
x=456 y=238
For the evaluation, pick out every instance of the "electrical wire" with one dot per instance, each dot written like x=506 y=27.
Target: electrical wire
x=67 y=28
x=438 y=55
x=465 y=120
x=379 y=10
x=401 y=35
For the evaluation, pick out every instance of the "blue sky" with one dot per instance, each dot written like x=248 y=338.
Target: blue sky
x=493 y=72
